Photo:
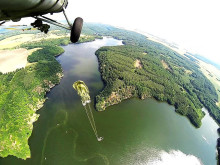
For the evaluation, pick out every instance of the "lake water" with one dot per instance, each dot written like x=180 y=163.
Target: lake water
x=135 y=132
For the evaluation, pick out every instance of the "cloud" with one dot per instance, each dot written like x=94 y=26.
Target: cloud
x=173 y=158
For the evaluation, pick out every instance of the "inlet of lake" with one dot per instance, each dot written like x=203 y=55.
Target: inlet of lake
x=136 y=132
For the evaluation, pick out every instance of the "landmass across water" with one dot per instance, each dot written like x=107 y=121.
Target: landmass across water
x=141 y=68
x=165 y=75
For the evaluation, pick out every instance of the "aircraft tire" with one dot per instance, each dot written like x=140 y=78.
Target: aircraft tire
x=76 y=30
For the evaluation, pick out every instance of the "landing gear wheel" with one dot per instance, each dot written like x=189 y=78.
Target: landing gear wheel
x=76 y=30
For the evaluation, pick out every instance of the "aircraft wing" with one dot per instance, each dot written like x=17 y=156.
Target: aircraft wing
x=16 y=9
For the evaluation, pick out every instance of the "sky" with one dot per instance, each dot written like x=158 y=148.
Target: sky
x=192 y=24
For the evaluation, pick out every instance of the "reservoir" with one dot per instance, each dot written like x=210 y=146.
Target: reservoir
x=136 y=132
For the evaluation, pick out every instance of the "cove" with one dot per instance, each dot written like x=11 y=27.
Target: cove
x=135 y=131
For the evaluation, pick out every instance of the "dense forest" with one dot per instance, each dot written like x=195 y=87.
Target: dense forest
x=162 y=74
x=23 y=91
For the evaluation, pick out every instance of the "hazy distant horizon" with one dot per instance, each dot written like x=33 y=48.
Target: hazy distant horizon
x=210 y=61
x=193 y=25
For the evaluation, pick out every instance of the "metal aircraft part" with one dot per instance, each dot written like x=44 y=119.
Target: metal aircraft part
x=76 y=30
x=2 y=22
x=40 y=26
x=16 y=9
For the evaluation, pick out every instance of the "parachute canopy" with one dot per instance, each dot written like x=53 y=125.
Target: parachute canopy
x=82 y=91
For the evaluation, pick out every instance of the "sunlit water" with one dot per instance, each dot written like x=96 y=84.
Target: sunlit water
x=136 y=132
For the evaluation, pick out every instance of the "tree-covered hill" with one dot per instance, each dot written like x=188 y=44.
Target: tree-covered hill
x=165 y=75
x=23 y=91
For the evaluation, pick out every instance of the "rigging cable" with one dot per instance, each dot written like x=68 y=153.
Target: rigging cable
x=91 y=122
x=92 y=117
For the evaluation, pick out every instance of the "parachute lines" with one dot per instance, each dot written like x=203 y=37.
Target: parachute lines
x=83 y=92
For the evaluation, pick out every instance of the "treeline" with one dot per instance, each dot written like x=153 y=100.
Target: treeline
x=152 y=80
x=22 y=92
x=10 y=33
x=180 y=83
x=46 y=53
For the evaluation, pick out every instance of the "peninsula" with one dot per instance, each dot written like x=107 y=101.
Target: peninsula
x=147 y=69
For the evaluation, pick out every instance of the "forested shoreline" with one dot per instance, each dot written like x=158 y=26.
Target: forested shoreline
x=23 y=92
x=164 y=75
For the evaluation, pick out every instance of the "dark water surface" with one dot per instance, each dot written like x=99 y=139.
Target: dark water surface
x=134 y=131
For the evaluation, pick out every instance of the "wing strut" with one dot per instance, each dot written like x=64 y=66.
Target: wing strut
x=1 y=23
x=75 y=29
x=67 y=20
x=48 y=20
